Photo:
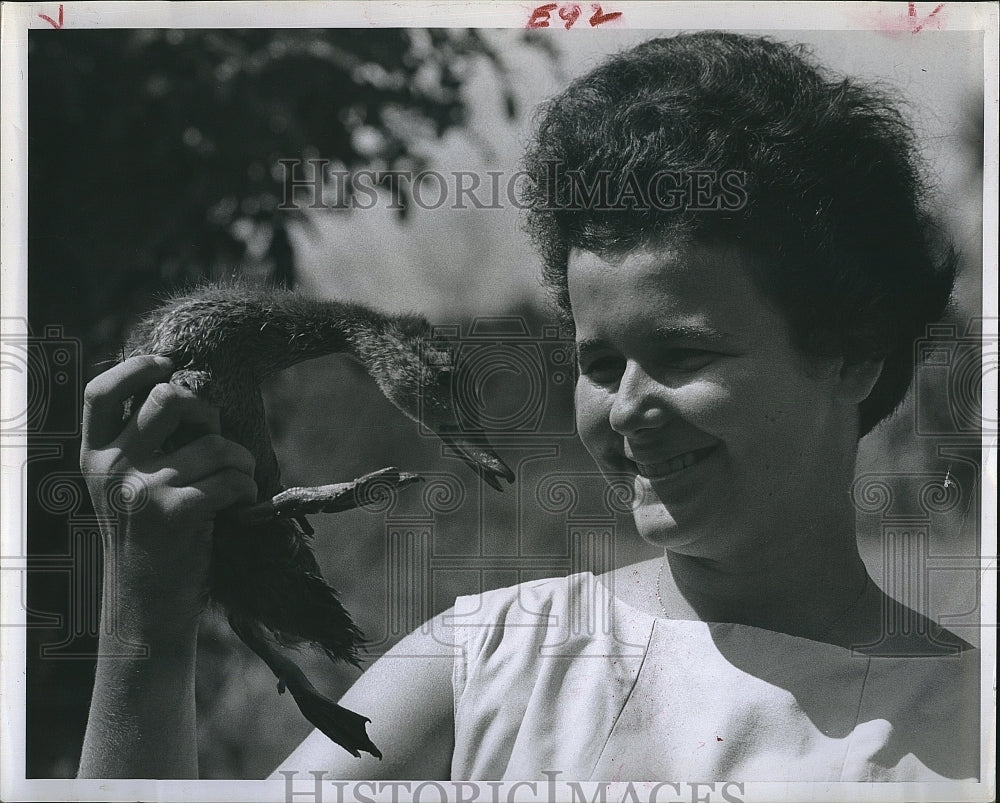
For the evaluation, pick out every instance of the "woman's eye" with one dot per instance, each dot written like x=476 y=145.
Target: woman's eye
x=603 y=370
x=687 y=359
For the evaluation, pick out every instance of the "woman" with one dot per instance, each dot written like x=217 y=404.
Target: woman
x=738 y=243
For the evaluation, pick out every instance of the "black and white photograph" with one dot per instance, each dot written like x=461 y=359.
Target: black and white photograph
x=497 y=402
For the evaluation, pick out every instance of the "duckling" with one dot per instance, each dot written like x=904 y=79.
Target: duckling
x=224 y=339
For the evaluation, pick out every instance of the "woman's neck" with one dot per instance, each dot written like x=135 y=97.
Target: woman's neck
x=802 y=577
x=802 y=594
x=797 y=570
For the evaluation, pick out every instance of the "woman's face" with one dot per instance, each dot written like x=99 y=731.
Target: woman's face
x=690 y=387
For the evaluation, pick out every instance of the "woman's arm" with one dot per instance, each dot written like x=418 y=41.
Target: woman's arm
x=142 y=720
x=408 y=695
x=158 y=539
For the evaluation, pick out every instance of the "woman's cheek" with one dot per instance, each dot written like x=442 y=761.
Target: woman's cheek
x=593 y=407
x=707 y=402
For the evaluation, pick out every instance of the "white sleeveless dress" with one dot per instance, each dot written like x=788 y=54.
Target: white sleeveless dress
x=559 y=675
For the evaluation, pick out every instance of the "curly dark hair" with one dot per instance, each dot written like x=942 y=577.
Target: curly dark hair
x=830 y=214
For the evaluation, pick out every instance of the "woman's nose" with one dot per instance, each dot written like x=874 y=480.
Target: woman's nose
x=638 y=404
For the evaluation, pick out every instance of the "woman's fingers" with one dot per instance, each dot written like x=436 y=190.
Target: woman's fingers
x=167 y=408
x=206 y=456
x=223 y=489
x=105 y=394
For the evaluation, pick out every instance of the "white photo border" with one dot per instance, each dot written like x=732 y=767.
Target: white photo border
x=19 y=18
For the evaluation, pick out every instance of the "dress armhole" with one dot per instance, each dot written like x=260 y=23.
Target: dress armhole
x=460 y=662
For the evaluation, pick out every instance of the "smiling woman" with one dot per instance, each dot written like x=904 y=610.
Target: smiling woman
x=730 y=357
x=729 y=363
x=691 y=382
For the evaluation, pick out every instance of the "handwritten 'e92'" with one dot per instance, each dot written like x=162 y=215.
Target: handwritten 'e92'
x=569 y=14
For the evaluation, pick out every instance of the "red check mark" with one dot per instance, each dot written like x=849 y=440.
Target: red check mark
x=917 y=24
x=52 y=22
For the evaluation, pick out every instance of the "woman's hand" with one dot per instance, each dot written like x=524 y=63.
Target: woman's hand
x=164 y=502
x=157 y=506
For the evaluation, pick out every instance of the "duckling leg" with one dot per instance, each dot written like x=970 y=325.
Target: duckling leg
x=344 y=727
x=296 y=502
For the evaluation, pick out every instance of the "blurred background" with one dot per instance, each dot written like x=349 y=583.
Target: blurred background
x=154 y=162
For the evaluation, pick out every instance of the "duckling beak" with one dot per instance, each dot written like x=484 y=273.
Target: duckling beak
x=477 y=452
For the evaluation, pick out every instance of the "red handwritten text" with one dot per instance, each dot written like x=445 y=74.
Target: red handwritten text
x=569 y=14
x=598 y=17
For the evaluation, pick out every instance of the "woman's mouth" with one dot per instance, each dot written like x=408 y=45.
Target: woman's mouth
x=662 y=469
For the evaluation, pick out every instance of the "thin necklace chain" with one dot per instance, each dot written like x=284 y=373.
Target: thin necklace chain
x=826 y=630
x=659 y=579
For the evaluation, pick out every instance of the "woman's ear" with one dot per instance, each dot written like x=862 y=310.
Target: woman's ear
x=857 y=379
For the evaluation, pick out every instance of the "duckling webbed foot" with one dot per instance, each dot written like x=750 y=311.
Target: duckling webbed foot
x=343 y=726
x=294 y=503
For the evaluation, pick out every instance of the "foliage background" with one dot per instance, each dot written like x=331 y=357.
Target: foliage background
x=152 y=164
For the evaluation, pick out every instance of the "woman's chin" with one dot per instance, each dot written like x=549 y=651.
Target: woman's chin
x=655 y=524
x=662 y=526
